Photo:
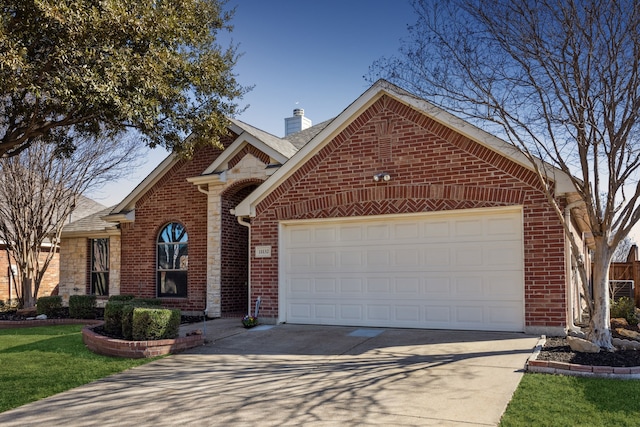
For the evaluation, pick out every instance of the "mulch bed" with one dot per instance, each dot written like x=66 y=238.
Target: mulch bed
x=556 y=349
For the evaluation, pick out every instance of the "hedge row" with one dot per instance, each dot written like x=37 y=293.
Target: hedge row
x=140 y=319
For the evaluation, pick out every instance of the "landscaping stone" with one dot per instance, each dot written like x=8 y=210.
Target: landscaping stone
x=628 y=333
x=41 y=317
x=27 y=312
x=619 y=322
x=623 y=344
x=581 y=345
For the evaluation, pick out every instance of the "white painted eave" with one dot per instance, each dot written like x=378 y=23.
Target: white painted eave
x=121 y=217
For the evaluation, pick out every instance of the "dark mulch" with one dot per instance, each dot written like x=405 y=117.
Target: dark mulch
x=556 y=349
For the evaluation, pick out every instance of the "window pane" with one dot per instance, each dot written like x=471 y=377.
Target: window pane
x=173 y=232
x=172 y=283
x=100 y=259
x=100 y=267
x=100 y=284
x=172 y=256
x=173 y=261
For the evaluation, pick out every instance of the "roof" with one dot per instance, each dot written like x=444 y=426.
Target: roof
x=369 y=97
x=301 y=138
x=282 y=146
x=85 y=206
x=90 y=224
x=279 y=148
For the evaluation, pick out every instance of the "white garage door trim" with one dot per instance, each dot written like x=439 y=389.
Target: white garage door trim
x=460 y=269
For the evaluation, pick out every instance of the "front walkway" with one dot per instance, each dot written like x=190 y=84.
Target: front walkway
x=304 y=375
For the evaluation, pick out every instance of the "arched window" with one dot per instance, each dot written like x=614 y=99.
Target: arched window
x=172 y=261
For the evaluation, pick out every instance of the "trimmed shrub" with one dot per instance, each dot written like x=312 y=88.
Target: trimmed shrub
x=113 y=316
x=82 y=306
x=50 y=306
x=127 y=321
x=624 y=307
x=155 y=323
x=150 y=302
x=127 y=313
x=121 y=297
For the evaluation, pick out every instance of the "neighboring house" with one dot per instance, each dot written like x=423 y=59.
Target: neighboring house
x=49 y=284
x=395 y=213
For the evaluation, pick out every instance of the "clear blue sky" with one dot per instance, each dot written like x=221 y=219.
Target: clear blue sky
x=299 y=54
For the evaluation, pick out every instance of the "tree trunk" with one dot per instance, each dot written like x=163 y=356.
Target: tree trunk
x=27 y=292
x=600 y=324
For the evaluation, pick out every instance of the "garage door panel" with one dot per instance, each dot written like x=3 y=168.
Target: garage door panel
x=325 y=311
x=301 y=311
x=408 y=313
x=469 y=314
x=325 y=234
x=437 y=230
x=435 y=286
x=351 y=285
x=378 y=232
x=408 y=285
x=351 y=312
x=409 y=231
x=458 y=271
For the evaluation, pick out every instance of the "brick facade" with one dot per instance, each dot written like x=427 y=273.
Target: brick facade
x=235 y=256
x=433 y=169
x=48 y=286
x=171 y=199
x=217 y=276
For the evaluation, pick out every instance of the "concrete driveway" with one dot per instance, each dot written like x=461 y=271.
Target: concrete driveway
x=290 y=375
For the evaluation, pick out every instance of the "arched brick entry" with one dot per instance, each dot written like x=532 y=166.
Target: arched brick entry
x=234 y=291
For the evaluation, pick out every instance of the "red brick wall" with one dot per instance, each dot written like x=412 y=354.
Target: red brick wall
x=48 y=286
x=172 y=199
x=432 y=169
x=235 y=258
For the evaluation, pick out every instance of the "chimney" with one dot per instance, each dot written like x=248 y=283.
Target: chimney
x=296 y=123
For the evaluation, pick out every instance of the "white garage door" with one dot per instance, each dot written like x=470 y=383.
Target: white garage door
x=460 y=270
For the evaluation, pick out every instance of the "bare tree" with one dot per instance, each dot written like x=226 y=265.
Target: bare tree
x=40 y=188
x=560 y=80
x=621 y=253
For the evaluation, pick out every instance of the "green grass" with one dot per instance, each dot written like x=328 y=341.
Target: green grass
x=553 y=400
x=40 y=362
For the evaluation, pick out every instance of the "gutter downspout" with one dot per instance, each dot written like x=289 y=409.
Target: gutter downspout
x=248 y=225
x=568 y=267
x=201 y=189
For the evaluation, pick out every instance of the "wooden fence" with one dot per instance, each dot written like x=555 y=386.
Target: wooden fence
x=624 y=277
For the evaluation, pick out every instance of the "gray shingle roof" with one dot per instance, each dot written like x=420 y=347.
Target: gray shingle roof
x=282 y=146
x=299 y=139
x=90 y=223
x=84 y=207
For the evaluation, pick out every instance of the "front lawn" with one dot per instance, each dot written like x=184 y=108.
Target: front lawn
x=40 y=362
x=554 y=400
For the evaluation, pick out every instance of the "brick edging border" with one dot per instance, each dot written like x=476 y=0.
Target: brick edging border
x=572 y=369
x=136 y=349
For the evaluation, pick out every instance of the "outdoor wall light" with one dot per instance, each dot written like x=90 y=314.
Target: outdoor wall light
x=382 y=176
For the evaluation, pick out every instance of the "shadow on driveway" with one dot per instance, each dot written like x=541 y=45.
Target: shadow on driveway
x=305 y=375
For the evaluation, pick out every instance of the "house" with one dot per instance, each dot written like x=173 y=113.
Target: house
x=49 y=283
x=395 y=213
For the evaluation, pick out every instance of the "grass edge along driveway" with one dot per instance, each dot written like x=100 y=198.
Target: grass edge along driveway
x=42 y=361
x=557 y=400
